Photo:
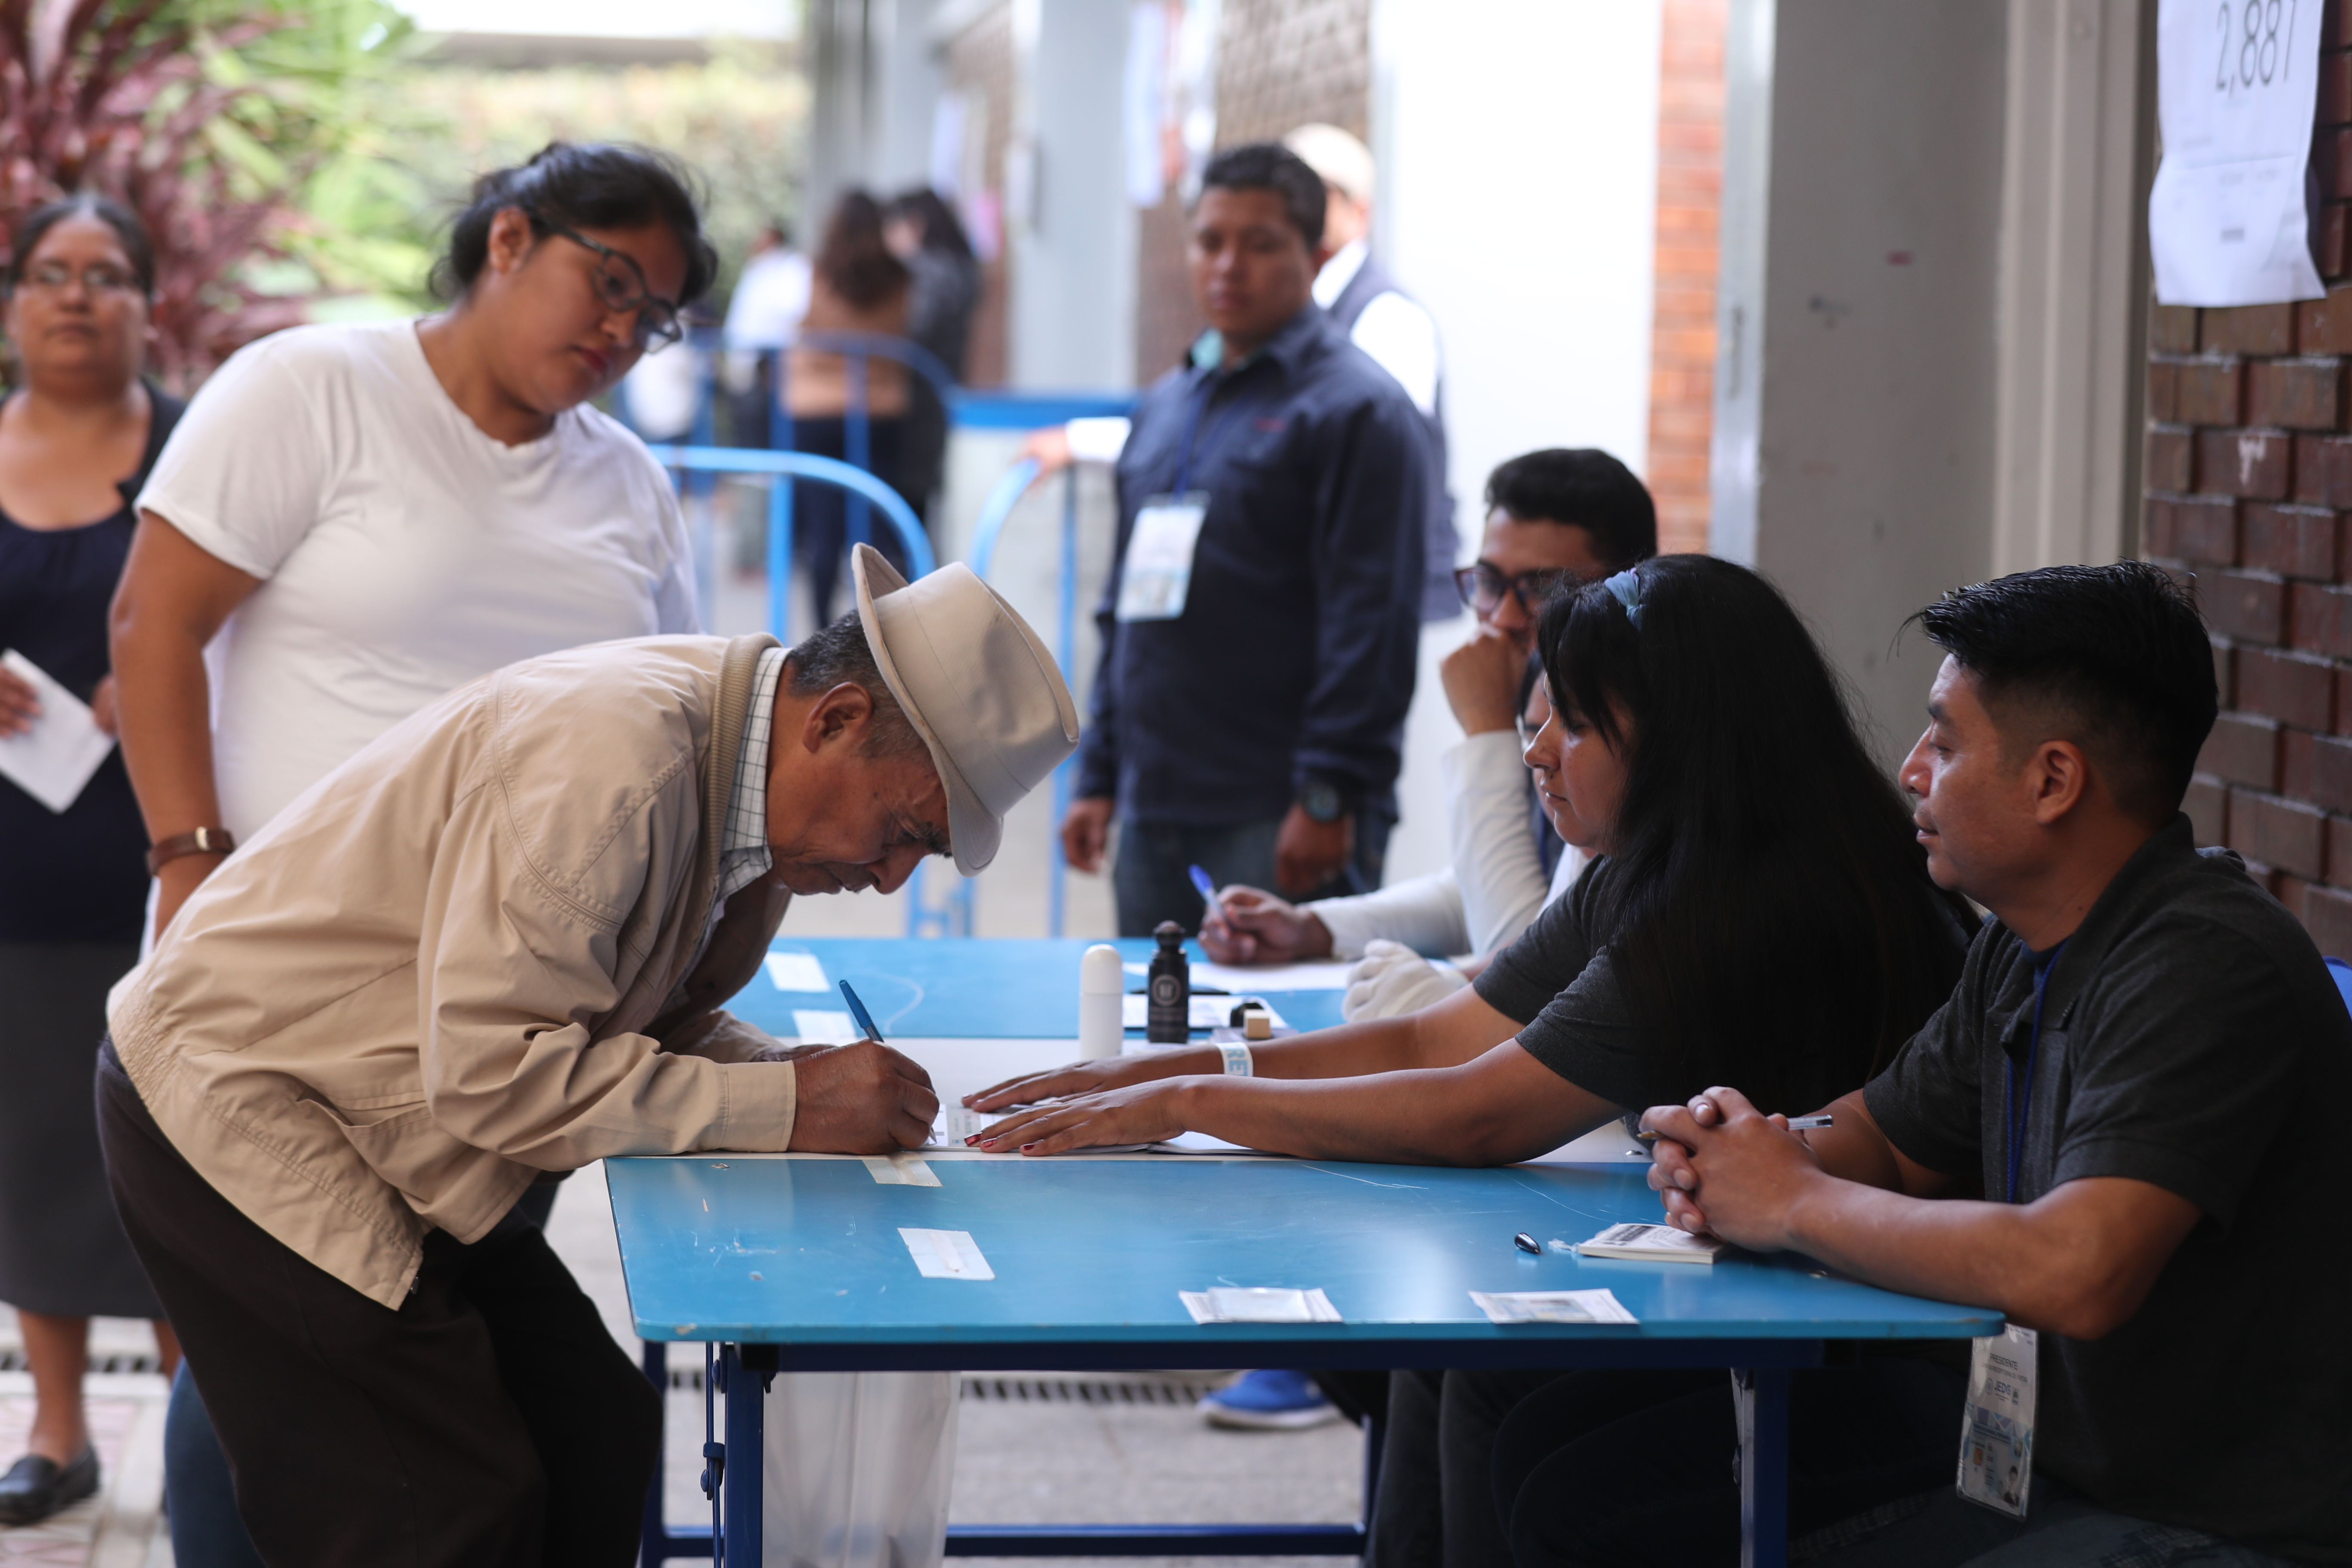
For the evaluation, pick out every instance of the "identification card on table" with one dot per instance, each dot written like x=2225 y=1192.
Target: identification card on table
x=1997 y=1426
x=1159 y=572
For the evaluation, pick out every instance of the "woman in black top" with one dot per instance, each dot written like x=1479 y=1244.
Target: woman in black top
x=77 y=437
x=1756 y=905
x=942 y=296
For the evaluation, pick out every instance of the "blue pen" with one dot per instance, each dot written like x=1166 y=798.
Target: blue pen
x=857 y=1011
x=1208 y=893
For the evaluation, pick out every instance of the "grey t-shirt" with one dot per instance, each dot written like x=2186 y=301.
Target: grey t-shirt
x=2192 y=1037
x=1559 y=981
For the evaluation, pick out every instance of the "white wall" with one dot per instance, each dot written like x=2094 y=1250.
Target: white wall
x=1858 y=469
x=1518 y=146
x=1517 y=142
x=1073 y=306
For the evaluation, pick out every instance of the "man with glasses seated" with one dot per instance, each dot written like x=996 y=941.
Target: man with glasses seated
x=1552 y=516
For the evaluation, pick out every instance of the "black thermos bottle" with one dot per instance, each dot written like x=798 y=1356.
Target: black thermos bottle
x=1168 y=989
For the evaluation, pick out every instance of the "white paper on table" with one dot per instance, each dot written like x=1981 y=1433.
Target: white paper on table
x=901 y=1170
x=796 y=972
x=1552 y=1307
x=1321 y=974
x=812 y=1028
x=1241 y=1304
x=1315 y=975
x=55 y=758
x=946 y=1254
x=1207 y=1011
x=2228 y=219
x=956 y=1123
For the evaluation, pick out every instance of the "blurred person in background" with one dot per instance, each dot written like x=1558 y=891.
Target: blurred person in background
x=763 y=314
x=661 y=397
x=861 y=289
x=369 y=516
x=924 y=233
x=1260 y=626
x=1387 y=323
x=77 y=437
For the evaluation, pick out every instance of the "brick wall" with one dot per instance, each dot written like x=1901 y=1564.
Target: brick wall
x=1280 y=63
x=1682 y=325
x=2249 y=477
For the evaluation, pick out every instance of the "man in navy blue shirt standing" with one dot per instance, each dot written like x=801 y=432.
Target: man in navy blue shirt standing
x=1260 y=625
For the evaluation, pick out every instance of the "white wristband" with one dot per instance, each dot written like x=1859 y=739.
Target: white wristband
x=1238 y=1063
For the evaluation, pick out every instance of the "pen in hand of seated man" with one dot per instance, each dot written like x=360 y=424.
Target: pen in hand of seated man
x=1251 y=926
x=1647 y=1137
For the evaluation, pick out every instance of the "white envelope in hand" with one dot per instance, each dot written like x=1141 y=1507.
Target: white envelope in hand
x=54 y=760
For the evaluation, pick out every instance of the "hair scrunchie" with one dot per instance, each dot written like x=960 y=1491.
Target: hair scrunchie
x=1627 y=587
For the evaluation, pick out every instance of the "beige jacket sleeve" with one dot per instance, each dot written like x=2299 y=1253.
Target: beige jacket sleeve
x=721 y=1037
x=538 y=920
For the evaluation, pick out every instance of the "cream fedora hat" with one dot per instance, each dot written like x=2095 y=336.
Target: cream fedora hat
x=979 y=687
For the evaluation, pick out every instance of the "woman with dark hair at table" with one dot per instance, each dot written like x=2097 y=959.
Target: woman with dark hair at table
x=77 y=434
x=367 y=517
x=1757 y=904
x=860 y=290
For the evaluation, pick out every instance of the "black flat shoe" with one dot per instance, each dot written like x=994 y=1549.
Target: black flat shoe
x=36 y=1487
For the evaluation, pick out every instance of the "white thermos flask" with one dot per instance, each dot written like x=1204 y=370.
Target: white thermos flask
x=1102 y=987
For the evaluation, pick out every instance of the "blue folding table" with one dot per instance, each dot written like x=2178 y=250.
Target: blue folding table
x=999 y=987
x=795 y=1263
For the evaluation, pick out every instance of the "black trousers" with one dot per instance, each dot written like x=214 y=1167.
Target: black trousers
x=490 y=1423
x=820 y=511
x=1610 y=1468
x=1436 y=1498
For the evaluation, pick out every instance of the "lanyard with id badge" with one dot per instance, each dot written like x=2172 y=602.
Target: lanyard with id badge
x=1997 y=1425
x=1158 y=576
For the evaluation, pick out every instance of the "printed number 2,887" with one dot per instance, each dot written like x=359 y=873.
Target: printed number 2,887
x=2257 y=47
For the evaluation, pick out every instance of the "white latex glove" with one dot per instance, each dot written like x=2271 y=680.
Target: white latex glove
x=1392 y=979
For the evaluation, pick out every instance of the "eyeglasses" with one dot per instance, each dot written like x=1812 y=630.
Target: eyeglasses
x=1482 y=586
x=56 y=278
x=621 y=286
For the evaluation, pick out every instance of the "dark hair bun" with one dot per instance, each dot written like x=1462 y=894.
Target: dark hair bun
x=590 y=185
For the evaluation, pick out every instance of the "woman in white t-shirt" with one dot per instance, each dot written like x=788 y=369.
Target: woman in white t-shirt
x=369 y=516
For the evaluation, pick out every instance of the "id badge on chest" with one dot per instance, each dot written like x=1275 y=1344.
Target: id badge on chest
x=1997 y=1426
x=1159 y=570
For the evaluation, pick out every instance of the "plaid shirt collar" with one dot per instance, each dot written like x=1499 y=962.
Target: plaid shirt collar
x=743 y=855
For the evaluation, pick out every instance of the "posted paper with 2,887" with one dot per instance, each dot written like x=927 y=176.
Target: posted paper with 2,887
x=2228 y=220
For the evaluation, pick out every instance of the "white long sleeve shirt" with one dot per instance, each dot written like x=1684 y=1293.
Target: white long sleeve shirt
x=1496 y=883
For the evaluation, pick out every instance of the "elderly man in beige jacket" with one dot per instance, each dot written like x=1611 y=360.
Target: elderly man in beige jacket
x=493 y=947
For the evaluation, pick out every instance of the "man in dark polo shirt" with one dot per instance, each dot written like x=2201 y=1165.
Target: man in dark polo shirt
x=1260 y=626
x=2144 y=1072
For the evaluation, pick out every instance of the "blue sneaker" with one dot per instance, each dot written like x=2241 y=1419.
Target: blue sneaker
x=1269 y=1401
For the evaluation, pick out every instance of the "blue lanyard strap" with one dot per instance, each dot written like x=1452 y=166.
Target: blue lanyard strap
x=2017 y=1108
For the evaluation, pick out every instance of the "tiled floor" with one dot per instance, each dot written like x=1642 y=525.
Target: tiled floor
x=118 y=1528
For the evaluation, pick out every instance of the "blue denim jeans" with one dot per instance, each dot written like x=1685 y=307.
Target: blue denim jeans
x=1151 y=878
x=2063 y=1529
